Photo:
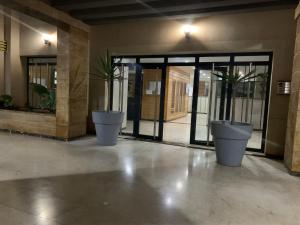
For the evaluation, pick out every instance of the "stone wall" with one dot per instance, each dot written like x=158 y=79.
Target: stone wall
x=28 y=122
x=72 y=82
x=292 y=146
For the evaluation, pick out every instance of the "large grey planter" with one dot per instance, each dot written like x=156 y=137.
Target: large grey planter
x=108 y=125
x=230 y=141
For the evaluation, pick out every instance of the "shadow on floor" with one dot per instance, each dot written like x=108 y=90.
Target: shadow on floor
x=110 y=198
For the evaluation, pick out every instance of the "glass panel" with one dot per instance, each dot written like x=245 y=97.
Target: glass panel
x=181 y=59
x=211 y=101
x=215 y=59
x=152 y=60
x=42 y=60
x=258 y=58
x=125 y=98
x=125 y=60
x=250 y=102
x=150 y=102
x=178 y=103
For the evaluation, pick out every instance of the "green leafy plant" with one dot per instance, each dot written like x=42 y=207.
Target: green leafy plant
x=108 y=71
x=234 y=78
x=6 y=101
x=48 y=97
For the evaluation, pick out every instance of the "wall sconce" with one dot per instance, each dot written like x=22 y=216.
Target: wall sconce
x=188 y=29
x=48 y=39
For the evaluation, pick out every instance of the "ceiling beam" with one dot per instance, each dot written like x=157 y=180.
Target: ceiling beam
x=192 y=13
x=94 y=14
x=69 y=5
x=46 y=13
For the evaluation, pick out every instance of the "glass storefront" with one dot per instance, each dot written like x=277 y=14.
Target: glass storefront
x=175 y=98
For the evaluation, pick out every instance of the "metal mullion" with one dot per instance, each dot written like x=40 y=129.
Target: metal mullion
x=155 y=106
x=229 y=90
x=262 y=103
x=195 y=102
x=209 y=109
x=137 y=99
x=199 y=55
x=267 y=102
x=162 y=101
x=252 y=94
x=243 y=98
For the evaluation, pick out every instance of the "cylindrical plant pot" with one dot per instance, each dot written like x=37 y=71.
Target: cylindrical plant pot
x=230 y=141
x=108 y=125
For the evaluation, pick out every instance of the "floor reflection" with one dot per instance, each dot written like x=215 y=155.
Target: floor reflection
x=47 y=182
x=100 y=198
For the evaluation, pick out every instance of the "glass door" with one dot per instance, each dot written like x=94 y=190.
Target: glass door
x=210 y=101
x=169 y=97
x=178 y=104
x=150 y=97
x=123 y=93
x=251 y=100
x=212 y=98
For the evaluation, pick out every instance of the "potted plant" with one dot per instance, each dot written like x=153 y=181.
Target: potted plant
x=6 y=101
x=231 y=137
x=107 y=123
x=47 y=97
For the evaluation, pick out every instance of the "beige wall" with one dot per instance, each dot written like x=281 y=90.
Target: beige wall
x=31 y=38
x=15 y=78
x=24 y=37
x=258 y=31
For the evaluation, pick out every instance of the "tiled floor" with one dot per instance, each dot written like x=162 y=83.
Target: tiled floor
x=48 y=182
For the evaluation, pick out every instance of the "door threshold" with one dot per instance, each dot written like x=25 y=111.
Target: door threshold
x=192 y=146
x=168 y=143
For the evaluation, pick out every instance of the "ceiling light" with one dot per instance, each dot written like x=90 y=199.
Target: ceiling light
x=48 y=38
x=188 y=29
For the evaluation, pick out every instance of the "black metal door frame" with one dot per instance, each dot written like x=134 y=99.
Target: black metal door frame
x=224 y=110
x=138 y=100
x=227 y=106
x=222 y=106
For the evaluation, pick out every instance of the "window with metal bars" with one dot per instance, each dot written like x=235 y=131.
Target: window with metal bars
x=41 y=72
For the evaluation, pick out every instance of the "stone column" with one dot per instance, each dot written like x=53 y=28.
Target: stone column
x=2 y=38
x=14 y=77
x=292 y=145
x=72 y=82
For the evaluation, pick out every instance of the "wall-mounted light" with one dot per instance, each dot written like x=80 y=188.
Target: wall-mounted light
x=188 y=29
x=48 y=39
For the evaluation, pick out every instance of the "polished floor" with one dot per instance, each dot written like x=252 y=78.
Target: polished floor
x=178 y=130
x=48 y=182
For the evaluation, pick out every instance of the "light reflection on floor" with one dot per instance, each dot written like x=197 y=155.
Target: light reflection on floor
x=49 y=182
